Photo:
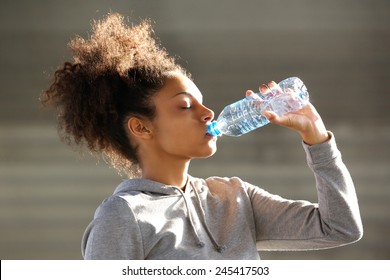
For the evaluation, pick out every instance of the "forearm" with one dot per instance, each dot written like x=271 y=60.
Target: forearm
x=337 y=200
x=302 y=225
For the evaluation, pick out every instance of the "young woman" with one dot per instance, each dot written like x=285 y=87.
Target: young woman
x=125 y=97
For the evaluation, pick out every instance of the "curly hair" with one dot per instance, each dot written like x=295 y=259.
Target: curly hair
x=113 y=76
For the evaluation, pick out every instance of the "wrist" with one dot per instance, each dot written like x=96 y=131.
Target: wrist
x=315 y=138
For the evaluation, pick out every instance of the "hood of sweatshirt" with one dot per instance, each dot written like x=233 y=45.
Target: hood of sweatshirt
x=194 y=187
x=150 y=186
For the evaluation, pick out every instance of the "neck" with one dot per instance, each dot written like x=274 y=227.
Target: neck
x=173 y=173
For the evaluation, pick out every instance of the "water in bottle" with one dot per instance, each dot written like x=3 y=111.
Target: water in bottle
x=245 y=115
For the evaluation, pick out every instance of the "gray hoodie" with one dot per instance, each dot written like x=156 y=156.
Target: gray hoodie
x=225 y=218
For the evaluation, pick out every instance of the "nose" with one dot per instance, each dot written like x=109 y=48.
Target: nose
x=207 y=114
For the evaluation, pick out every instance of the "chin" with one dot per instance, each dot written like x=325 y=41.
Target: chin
x=206 y=153
x=210 y=155
x=213 y=150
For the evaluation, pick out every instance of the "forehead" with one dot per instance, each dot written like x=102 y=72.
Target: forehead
x=178 y=83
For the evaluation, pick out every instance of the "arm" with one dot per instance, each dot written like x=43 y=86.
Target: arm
x=299 y=224
x=283 y=224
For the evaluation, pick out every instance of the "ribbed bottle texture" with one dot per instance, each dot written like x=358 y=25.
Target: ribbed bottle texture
x=245 y=115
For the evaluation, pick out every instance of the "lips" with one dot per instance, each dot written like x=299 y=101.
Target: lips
x=211 y=136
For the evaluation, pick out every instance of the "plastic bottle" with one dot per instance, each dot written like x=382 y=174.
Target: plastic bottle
x=245 y=115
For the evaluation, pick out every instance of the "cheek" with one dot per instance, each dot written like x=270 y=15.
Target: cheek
x=171 y=126
x=170 y=134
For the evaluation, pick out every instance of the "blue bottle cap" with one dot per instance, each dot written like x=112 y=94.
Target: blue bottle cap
x=213 y=130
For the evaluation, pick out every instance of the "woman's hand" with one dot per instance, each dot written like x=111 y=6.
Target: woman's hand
x=306 y=121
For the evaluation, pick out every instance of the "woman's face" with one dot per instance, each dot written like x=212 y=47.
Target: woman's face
x=180 y=124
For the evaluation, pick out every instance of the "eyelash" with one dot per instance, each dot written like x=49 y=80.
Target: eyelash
x=186 y=108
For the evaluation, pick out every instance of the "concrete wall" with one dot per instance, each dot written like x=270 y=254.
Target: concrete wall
x=339 y=48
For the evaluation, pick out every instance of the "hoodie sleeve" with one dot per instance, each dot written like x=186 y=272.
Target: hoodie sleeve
x=283 y=224
x=113 y=234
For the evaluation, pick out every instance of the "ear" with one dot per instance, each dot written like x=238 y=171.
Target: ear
x=139 y=128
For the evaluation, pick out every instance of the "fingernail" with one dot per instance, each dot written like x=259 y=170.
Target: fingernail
x=264 y=88
x=272 y=84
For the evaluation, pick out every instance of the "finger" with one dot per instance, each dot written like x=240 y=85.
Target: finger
x=275 y=88
x=270 y=115
x=249 y=93
x=285 y=120
x=272 y=84
x=264 y=89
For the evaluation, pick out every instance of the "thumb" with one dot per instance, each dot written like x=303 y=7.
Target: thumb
x=271 y=116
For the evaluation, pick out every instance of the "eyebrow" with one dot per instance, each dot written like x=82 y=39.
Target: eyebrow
x=182 y=92
x=188 y=94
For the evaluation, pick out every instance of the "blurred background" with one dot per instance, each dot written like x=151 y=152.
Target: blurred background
x=339 y=48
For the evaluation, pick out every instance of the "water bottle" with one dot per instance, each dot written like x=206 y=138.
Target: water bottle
x=245 y=115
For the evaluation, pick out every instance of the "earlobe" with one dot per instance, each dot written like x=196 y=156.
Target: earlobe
x=138 y=128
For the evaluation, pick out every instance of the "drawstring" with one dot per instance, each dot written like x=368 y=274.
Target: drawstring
x=218 y=247
x=199 y=243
